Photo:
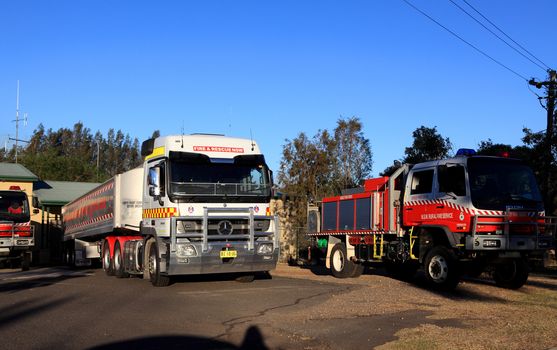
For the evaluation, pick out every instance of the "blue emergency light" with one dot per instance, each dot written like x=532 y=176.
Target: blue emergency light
x=465 y=152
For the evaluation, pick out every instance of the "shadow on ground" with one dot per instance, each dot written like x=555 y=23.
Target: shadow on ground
x=13 y=282
x=253 y=339
x=419 y=281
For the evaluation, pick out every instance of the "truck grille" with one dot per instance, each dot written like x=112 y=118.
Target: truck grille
x=224 y=228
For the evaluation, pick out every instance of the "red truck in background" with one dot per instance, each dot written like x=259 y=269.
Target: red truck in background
x=16 y=231
x=466 y=214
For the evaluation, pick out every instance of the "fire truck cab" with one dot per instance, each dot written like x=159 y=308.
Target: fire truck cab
x=16 y=232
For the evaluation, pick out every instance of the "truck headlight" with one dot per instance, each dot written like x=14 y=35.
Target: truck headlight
x=265 y=248
x=185 y=250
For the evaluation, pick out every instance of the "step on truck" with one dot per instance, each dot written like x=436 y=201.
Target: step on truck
x=467 y=214
x=198 y=205
x=16 y=232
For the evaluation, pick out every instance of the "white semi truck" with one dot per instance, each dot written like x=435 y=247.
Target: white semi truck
x=198 y=205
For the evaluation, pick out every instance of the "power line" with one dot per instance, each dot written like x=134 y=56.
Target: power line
x=505 y=34
x=495 y=34
x=463 y=40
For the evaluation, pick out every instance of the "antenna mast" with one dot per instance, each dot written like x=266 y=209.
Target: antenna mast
x=17 y=123
x=16 y=120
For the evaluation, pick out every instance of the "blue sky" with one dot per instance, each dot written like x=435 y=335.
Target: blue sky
x=273 y=69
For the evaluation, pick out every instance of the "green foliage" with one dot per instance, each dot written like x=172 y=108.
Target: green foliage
x=428 y=145
x=352 y=152
x=533 y=152
x=73 y=154
x=312 y=168
x=542 y=157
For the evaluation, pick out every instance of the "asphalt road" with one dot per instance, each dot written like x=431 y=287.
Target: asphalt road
x=298 y=308
x=58 y=308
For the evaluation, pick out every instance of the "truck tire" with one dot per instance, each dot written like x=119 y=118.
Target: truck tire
x=106 y=260
x=442 y=269
x=118 y=262
x=511 y=275
x=153 y=266
x=341 y=267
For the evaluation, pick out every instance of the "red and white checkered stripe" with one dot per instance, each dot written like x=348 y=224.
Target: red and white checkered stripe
x=467 y=210
x=93 y=195
x=22 y=224
x=90 y=222
x=359 y=232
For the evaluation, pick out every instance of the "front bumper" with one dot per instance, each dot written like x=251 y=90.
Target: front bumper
x=211 y=262
x=208 y=247
x=508 y=243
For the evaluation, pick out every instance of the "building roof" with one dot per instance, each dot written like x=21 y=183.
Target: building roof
x=16 y=172
x=60 y=192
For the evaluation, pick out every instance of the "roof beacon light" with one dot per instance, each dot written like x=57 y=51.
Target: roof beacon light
x=465 y=152
x=15 y=188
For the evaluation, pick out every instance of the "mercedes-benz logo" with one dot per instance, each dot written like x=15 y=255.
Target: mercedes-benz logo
x=225 y=227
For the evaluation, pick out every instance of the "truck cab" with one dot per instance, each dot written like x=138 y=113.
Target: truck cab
x=16 y=232
x=206 y=207
x=458 y=194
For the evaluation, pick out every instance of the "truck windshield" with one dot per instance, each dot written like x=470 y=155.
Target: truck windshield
x=14 y=206
x=233 y=181
x=499 y=184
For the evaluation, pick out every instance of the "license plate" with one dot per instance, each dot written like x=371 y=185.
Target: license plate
x=228 y=254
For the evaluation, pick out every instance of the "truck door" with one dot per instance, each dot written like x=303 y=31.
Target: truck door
x=418 y=204
x=451 y=197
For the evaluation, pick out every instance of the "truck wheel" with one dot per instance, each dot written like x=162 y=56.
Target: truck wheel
x=107 y=262
x=154 y=262
x=118 y=262
x=442 y=268
x=341 y=267
x=512 y=274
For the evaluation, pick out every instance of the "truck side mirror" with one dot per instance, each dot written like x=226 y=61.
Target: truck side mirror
x=153 y=180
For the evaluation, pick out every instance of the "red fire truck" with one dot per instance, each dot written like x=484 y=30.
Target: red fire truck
x=16 y=231
x=467 y=214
